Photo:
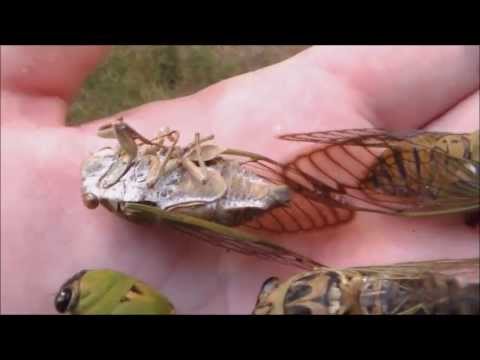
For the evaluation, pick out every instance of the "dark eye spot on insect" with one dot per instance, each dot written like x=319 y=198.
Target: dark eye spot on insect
x=90 y=200
x=270 y=284
x=62 y=300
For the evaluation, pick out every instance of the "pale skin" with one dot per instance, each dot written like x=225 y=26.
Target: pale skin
x=48 y=234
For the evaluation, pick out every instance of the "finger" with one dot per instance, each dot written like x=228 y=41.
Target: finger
x=462 y=117
x=404 y=87
x=258 y=106
x=38 y=82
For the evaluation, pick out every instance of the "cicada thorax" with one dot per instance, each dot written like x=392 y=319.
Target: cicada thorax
x=320 y=292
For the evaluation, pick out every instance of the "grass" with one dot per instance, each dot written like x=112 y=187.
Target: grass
x=134 y=75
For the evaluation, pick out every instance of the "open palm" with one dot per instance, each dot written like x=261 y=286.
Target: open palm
x=47 y=233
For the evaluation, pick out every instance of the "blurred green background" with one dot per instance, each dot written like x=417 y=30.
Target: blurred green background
x=134 y=75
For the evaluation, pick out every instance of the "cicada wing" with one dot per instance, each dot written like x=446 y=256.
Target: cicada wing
x=363 y=137
x=303 y=212
x=375 y=170
x=224 y=236
x=464 y=270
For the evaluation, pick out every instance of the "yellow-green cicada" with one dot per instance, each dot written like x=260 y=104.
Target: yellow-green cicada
x=108 y=292
x=430 y=287
x=213 y=193
x=411 y=173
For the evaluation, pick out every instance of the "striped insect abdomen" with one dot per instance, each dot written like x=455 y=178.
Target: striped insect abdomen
x=428 y=294
x=416 y=167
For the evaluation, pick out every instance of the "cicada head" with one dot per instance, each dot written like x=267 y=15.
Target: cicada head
x=109 y=292
x=269 y=298
x=102 y=162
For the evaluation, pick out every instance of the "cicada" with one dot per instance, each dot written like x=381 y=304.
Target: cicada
x=213 y=193
x=108 y=292
x=430 y=287
x=411 y=173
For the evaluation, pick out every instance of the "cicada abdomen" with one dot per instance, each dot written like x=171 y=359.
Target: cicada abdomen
x=411 y=173
x=436 y=287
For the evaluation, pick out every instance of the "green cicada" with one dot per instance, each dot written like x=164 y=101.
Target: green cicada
x=108 y=292
x=411 y=173
x=216 y=194
x=428 y=287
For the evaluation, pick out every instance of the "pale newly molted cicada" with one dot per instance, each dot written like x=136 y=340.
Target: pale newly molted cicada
x=411 y=173
x=213 y=193
x=430 y=287
x=108 y=292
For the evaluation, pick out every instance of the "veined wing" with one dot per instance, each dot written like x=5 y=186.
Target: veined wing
x=303 y=212
x=392 y=172
x=223 y=236
x=467 y=270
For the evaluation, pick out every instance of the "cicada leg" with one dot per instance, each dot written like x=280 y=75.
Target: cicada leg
x=125 y=135
x=191 y=147
x=200 y=158
x=194 y=170
x=199 y=173
x=157 y=168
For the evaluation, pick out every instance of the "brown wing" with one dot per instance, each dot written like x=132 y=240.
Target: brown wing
x=222 y=236
x=390 y=172
x=362 y=137
x=303 y=212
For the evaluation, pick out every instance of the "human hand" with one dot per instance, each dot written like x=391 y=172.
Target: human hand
x=47 y=233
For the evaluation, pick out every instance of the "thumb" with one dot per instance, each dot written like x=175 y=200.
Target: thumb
x=50 y=73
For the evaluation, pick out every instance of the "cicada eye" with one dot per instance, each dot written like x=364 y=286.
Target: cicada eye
x=63 y=299
x=90 y=200
x=269 y=285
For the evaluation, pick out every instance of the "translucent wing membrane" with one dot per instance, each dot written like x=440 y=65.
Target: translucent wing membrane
x=412 y=173
x=224 y=236
x=302 y=213
x=464 y=270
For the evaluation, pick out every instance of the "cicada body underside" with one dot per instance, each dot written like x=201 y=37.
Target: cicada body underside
x=217 y=194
